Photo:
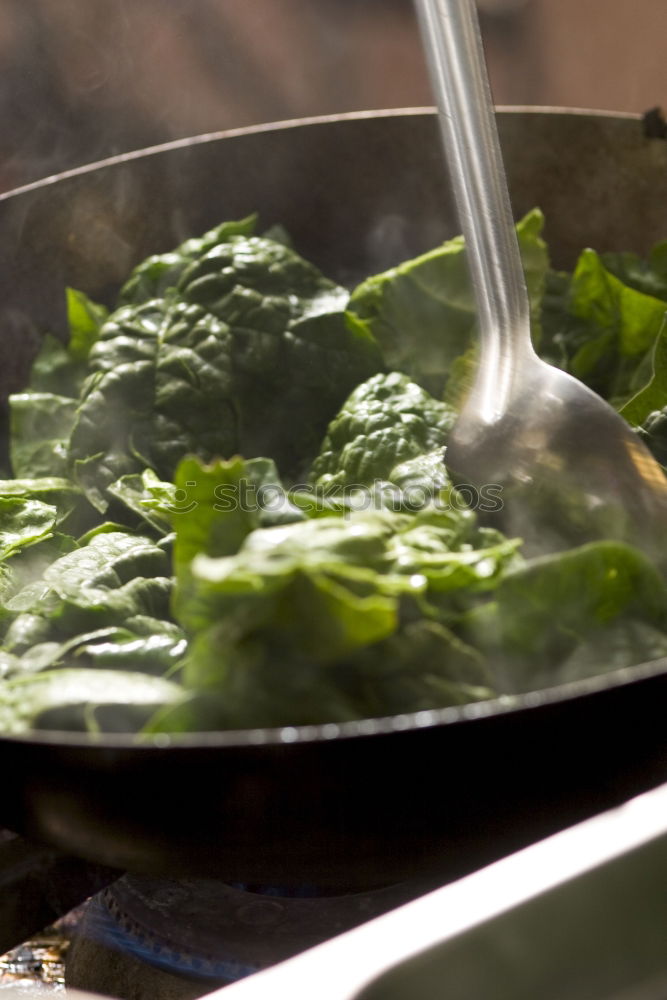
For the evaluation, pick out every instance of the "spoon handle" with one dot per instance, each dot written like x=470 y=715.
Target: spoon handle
x=455 y=58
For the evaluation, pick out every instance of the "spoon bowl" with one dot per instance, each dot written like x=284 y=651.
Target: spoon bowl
x=570 y=468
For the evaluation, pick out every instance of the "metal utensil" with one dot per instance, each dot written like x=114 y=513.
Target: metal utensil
x=571 y=467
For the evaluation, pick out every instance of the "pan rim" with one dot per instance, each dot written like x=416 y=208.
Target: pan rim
x=294 y=123
x=503 y=705
x=327 y=732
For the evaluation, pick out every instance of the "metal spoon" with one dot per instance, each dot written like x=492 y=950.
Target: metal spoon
x=570 y=467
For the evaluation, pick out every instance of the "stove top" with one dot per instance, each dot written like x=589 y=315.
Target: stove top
x=140 y=938
x=544 y=922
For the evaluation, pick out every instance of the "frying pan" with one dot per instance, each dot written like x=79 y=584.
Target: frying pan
x=376 y=801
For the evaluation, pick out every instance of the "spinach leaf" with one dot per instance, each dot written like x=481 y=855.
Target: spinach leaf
x=149 y=645
x=78 y=698
x=599 y=329
x=23 y=522
x=653 y=433
x=648 y=276
x=28 y=565
x=653 y=396
x=61 y=368
x=112 y=578
x=213 y=508
x=423 y=313
x=145 y=498
x=543 y=610
x=382 y=680
x=40 y=426
x=251 y=354
x=42 y=417
x=321 y=560
x=386 y=421
x=303 y=615
x=452 y=553
x=157 y=274
x=73 y=513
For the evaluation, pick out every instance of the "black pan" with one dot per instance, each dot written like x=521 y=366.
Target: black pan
x=365 y=803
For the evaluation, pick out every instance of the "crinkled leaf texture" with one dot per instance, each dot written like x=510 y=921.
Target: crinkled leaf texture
x=385 y=422
x=113 y=578
x=24 y=522
x=294 y=605
x=250 y=354
x=79 y=609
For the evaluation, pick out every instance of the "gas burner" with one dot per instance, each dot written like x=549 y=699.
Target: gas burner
x=178 y=939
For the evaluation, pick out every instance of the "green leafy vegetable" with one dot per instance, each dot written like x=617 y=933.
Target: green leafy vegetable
x=385 y=422
x=42 y=417
x=231 y=506
x=50 y=700
x=422 y=312
x=161 y=272
x=653 y=433
x=653 y=396
x=41 y=424
x=209 y=368
x=648 y=276
x=73 y=512
x=61 y=368
x=599 y=329
x=112 y=578
x=23 y=522
x=315 y=607
x=147 y=498
x=542 y=610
